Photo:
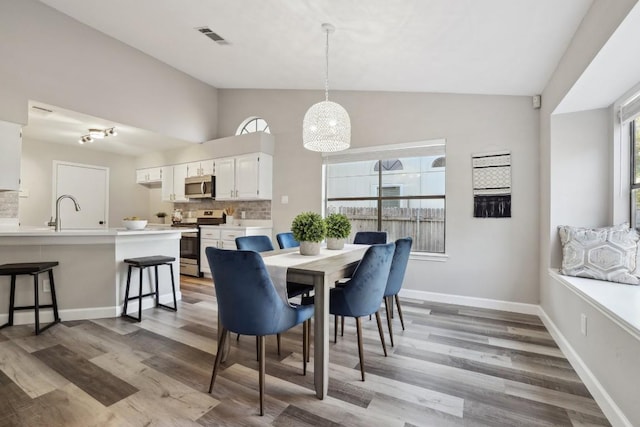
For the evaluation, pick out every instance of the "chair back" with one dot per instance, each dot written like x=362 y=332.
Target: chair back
x=254 y=243
x=286 y=240
x=361 y=295
x=398 y=266
x=248 y=303
x=370 y=237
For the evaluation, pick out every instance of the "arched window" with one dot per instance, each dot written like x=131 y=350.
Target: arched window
x=253 y=124
x=440 y=162
x=388 y=165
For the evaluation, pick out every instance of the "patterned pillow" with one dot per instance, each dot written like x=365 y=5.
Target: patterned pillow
x=600 y=253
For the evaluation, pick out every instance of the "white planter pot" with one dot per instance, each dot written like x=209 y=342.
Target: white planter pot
x=335 y=243
x=229 y=220
x=309 y=248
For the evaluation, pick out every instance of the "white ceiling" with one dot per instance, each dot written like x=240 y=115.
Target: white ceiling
x=507 y=47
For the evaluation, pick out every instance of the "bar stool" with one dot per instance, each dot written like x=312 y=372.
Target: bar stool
x=33 y=269
x=142 y=263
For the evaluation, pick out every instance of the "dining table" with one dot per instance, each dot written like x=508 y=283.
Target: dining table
x=321 y=271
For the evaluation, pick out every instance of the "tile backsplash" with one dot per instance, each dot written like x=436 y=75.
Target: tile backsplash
x=253 y=209
x=9 y=204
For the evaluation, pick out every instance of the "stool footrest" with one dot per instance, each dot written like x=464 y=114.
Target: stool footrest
x=32 y=307
x=148 y=294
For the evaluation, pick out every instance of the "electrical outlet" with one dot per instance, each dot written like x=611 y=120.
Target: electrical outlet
x=46 y=286
x=583 y=324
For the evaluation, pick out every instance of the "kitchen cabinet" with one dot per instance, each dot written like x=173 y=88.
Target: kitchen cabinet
x=149 y=176
x=173 y=183
x=246 y=177
x=200 y=168
x=11 y=148
x=224 y=237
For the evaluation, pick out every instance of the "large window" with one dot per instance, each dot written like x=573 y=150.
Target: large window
x=403 y=195
x=635 y=172
x=253 y=124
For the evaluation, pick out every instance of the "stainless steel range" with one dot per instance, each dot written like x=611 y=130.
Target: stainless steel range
x=190 y=242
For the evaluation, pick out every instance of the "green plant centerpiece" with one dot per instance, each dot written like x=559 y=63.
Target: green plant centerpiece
x=309 y=229
x=338 y=229
x=161 y=216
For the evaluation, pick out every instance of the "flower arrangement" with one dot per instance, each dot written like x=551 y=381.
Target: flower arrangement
x=308 y=227
x=229 y=210
x=338 y=226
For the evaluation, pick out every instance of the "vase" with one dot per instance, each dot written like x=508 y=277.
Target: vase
x=335 y=243
x=229 y=220
x=309 y=248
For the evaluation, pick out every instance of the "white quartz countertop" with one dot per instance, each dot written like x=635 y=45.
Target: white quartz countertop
x=49 y=231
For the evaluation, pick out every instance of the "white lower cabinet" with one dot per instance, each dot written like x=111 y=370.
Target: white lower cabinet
x=224 y=238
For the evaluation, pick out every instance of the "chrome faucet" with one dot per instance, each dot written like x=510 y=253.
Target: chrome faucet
x=57 y=221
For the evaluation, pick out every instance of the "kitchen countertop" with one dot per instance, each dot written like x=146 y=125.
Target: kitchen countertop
x=49 y=231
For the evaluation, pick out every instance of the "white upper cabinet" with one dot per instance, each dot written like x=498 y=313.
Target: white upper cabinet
x=173 y=183
x=200 y=168
x=246 y=177
x=149 y=176
x=11 y=148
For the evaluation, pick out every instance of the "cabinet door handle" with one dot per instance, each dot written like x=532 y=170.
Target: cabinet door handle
x=236 y=193
x=202 y=187
x=231 y=193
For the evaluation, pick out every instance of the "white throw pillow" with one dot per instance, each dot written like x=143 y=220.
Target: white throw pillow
x=600 y=253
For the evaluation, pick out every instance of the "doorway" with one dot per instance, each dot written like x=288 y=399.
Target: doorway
x=90 y=187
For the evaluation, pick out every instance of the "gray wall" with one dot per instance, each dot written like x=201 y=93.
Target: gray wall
x=488 y=258
x=49 y=57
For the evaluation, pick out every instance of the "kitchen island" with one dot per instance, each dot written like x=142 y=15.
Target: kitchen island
x=91 y=277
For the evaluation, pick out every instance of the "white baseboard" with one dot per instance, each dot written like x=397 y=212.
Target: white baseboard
x=613 y=413
x=27 y=317
x=516 y=307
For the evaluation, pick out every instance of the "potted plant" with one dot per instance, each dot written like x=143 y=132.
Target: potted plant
x=229 y=211
x=309 y=229
x=338 y=229
x=161 y=216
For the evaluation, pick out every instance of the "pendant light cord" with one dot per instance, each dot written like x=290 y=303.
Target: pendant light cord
x=326 y=79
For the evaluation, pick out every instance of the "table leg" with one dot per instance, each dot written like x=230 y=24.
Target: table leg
x=321 y=337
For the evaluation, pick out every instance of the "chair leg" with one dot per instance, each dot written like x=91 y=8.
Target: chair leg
x=54 y=301
x=216 y=362
x=384 y=346
x=141 y=270
x=237 y=337
x=157 y=286
x=126 y=292
x=261 y=363
x=13 y=299
x=278 y=342
x=308 y=340
x=257 y=348
x=389 y=324
x=305 y=342
x=360 y=350
x=335 y=329
x=341 y=326
x=36 y=303
x=399 y=311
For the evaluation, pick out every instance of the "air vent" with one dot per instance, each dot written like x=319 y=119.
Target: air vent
x=213 y=36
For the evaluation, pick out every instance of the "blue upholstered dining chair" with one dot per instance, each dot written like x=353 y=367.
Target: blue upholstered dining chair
x=361 y=295
x=396 y=277
x=254 y=243
x=249 y=304
x=286 y=240
x=370 y=237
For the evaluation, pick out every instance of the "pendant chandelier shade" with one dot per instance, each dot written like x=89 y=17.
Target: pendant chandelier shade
x=326 y=126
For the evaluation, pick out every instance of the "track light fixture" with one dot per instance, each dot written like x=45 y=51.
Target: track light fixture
x=97 y=134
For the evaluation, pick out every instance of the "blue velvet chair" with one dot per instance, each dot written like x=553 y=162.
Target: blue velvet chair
x=370 y=237
x=254 y=243
x=249 y=304
x=361 y=295
x=286 y=240
x=396 y=277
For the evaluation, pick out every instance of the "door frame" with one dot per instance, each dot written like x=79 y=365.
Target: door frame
x=54 y=186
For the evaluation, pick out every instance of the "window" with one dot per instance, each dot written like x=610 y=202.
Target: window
x=253 y=124
x=399 y=191
x=635 y=171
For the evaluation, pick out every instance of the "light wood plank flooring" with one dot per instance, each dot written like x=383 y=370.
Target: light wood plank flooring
x=452 y=366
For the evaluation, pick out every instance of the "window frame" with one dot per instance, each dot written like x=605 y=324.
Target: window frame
x=633 y=186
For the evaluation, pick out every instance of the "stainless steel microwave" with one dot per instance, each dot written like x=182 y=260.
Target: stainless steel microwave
x=200 y=187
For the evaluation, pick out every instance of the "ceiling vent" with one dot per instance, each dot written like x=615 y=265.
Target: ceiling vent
x=213 y=36
x=41 y=109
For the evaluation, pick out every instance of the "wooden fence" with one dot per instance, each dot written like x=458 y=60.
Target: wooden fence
x=425 y=225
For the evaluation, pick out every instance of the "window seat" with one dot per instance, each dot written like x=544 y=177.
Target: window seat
x=618 y=301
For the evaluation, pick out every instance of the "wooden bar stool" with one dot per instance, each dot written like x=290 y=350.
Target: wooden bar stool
x=141 y=263
x=32 y=269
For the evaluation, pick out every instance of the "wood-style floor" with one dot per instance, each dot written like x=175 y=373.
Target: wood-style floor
x=452 y=366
